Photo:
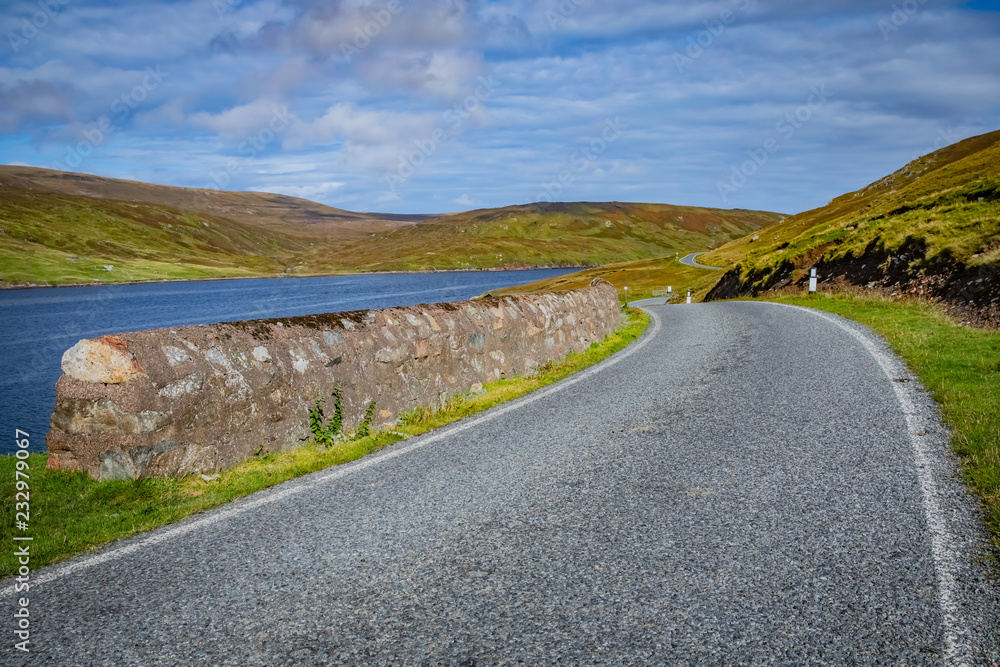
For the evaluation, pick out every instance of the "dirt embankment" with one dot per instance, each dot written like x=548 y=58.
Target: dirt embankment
x=969 y=293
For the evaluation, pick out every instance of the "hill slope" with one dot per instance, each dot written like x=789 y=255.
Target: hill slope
x=60 y=228
x=290 y=215
x=570 y=234
x=931 y=229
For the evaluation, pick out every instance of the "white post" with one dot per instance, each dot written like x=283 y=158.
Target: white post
x=689 y=297
x=812 y=281
x=670 y=289
x=626 y=296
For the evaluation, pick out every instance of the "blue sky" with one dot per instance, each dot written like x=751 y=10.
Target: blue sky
x=430 y=106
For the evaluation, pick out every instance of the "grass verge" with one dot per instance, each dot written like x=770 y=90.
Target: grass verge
x=642 y=278
x=71 y=513
x=959 y=365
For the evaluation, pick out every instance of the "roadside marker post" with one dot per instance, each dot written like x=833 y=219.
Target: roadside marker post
x=689 y=297
x=626 y=297
x=812 y=281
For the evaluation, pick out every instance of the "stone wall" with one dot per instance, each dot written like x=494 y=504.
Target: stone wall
x=203 y=398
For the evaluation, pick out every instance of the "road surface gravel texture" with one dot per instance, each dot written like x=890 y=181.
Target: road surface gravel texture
x=744 y=485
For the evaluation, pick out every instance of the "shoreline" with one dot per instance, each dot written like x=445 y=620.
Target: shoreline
x=4 y=286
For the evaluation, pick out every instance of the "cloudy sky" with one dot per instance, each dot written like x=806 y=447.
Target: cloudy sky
x=421 y=106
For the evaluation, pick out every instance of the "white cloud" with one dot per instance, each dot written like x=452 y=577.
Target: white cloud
x=304 y=191
x=238 y=123
x=444 y=74
x=368 y=139
x=388 y=196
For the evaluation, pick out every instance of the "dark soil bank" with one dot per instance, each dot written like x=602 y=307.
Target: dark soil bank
x=971 y=293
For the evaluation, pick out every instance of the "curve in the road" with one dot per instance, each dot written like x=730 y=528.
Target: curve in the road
x=748 y=483
x=692 y=260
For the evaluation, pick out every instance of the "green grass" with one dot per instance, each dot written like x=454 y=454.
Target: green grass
x=641 y=277
x=71 y=513
x=959 y=365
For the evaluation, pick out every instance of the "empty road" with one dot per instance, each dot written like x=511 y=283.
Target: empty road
x=747 y=484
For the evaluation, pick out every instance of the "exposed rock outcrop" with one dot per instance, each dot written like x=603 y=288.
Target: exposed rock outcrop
x=971 y=293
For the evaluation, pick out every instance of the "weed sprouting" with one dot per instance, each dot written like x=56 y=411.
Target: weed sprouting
x=366 y=424
x=325 y=433
x=316 y=424
x=337 y=422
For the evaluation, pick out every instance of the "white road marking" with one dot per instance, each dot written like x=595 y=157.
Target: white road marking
x=295 y=487
x=943 y=541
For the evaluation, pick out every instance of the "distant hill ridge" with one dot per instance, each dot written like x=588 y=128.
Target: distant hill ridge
x=65 y=228
x=254 y=208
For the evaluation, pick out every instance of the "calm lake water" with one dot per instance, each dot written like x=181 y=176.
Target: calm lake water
x=38 y=325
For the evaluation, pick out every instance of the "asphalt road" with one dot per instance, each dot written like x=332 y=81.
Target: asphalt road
x=745 y=485
x=692 y=260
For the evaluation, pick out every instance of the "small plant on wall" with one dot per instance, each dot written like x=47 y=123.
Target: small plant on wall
x=326 y=431
x=366 y=423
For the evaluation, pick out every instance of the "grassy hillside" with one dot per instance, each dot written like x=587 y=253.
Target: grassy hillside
x=58 y=228
x=642 y=278
x=289 y=215
x=552 y=235
x=931 y=228
x=71 y=239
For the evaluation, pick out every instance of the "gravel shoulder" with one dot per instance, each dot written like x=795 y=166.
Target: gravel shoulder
x=744 y=485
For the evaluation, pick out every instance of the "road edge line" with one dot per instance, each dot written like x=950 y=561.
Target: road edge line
x=942 y=538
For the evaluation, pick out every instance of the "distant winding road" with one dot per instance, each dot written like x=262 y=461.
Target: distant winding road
x=747 y=484
x=691 y=260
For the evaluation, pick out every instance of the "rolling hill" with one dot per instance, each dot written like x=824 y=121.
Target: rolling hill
x=289 y=215
x=562 y=234
x=61 y=228
x=930 y=229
